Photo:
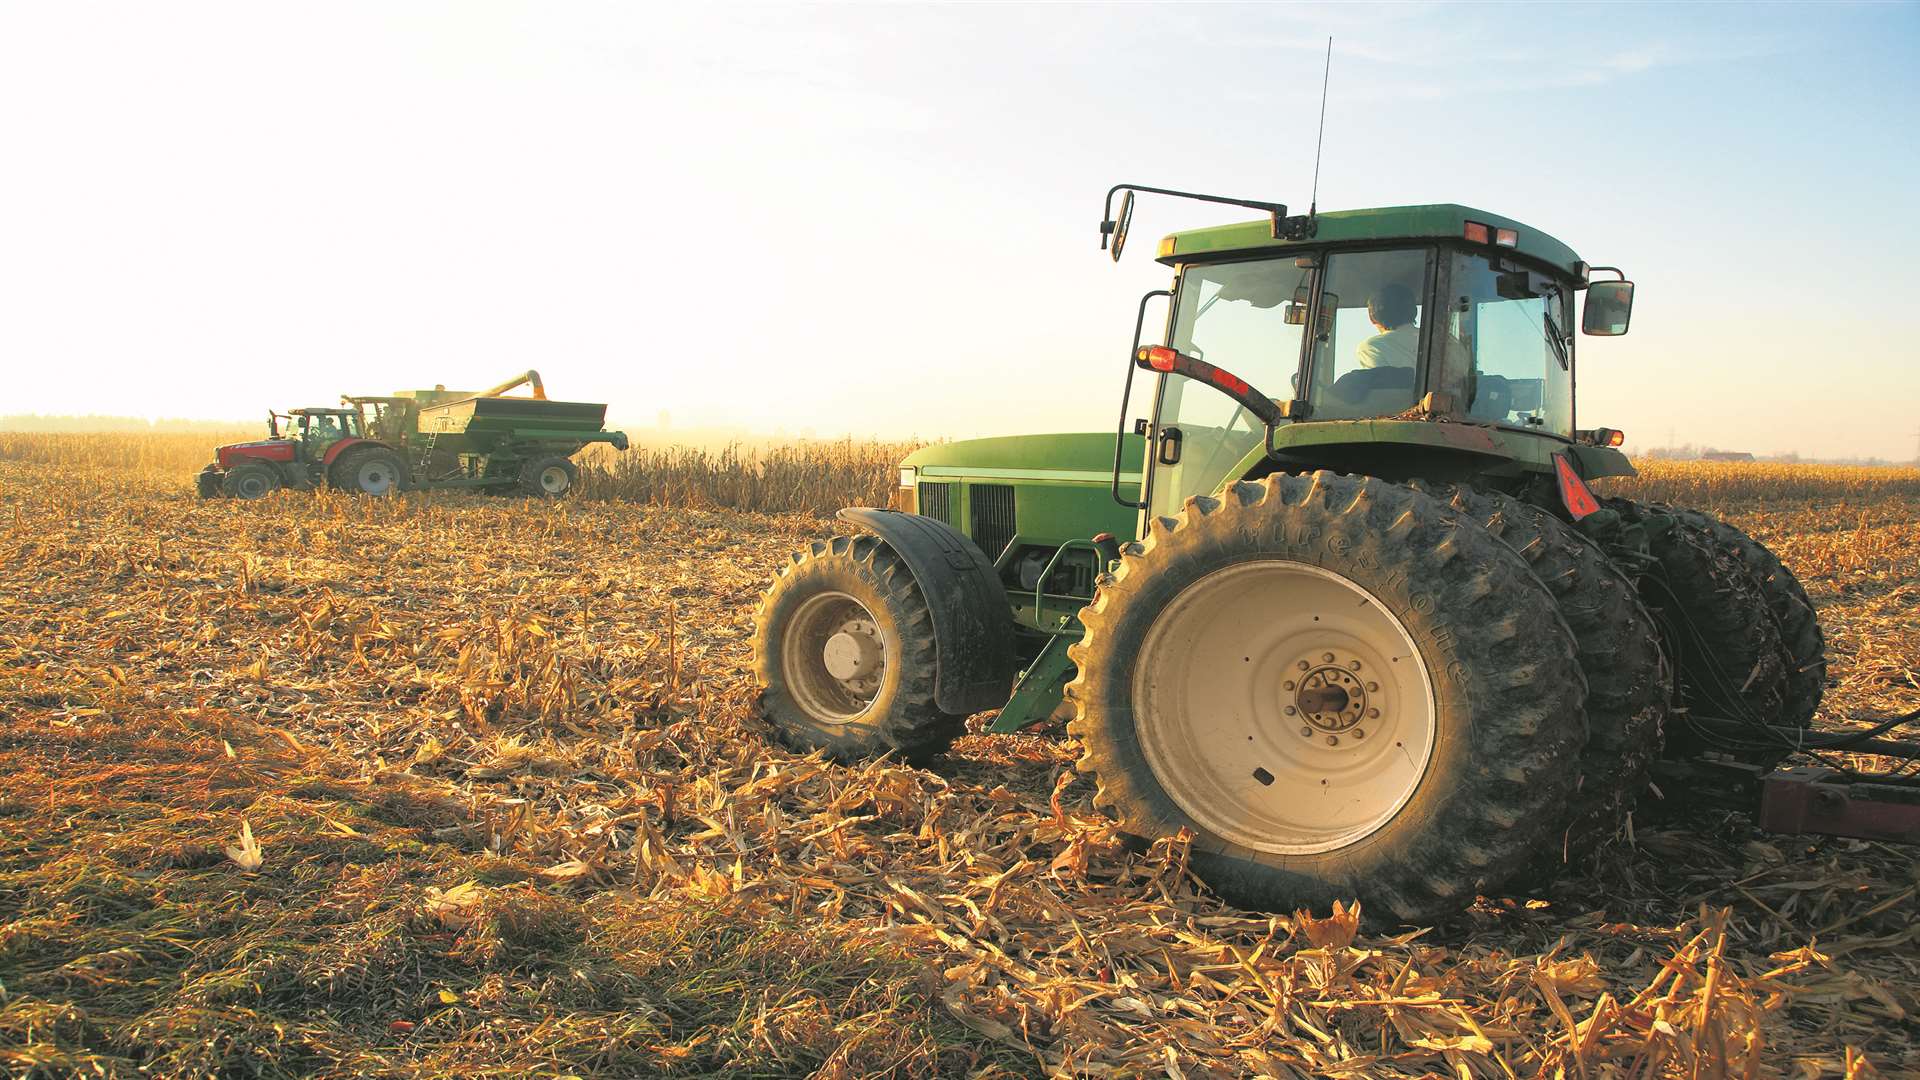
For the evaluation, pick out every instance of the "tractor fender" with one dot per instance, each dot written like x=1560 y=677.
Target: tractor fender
x=972 y=621
x=333 y=452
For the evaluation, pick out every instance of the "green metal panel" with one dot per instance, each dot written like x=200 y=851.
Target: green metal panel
x=1441 y=221
x=1062 y=484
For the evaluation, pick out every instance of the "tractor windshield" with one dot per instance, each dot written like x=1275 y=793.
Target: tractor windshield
x=1508 y=357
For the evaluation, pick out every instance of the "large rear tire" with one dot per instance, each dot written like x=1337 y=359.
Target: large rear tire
x=845 y=657
x=1422 y=764
x=1793 y=616
x=1719 y=631
x=1629 y=685
x=368 y=470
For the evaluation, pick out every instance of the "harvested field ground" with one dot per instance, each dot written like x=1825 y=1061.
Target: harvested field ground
x=513 y=818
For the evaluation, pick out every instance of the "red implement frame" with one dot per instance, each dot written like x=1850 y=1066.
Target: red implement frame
x=1809 y=799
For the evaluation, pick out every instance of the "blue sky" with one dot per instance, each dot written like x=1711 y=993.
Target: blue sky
x=881 y=219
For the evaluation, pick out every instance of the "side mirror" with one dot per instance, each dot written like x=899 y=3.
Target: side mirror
x=1116 y=230
x=1609 y=308
x=1294 y=314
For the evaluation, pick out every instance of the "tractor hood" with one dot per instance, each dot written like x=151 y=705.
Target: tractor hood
x=1081 y=457
x=260 y=450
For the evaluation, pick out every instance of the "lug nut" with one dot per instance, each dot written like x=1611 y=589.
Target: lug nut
x=1291 y=710
x=1288 y=685
x=1333 y=740
x=1328 y=657
x=1304 y=665
x=1373 y=714
x=1354 y=664
x=1307 y=731
x=1373 y=688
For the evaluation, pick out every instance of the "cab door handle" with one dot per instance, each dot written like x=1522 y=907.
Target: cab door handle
x=1167 y=451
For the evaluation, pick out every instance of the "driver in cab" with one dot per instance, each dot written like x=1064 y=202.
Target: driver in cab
x=1397 y=345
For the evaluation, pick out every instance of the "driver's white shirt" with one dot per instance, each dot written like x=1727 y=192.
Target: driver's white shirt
x=1398 y=347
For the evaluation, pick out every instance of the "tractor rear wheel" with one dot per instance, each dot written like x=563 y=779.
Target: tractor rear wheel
x=1629 y=686
x=369 y=470
x=549 y=477
x=1343 y=688
x=250 y=481
x=1793 y=615
x=845 y=658
x=1719 y=632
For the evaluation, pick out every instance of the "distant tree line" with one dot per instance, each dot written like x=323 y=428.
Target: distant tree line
x=127 y=424
x=1702 y=452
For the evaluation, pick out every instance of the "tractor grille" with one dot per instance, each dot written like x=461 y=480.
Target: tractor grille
x=992 y=511
x=936 y=501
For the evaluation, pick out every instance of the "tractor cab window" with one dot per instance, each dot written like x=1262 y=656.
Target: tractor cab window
x=1511 y=360
x=1367 y=352
x=1243 y=317
x=324 y=429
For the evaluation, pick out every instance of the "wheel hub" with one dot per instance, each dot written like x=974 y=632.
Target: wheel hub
x=834 y=654
x=1331 y=696
x=854 y=653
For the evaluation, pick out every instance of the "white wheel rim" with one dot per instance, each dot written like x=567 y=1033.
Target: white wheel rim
x=834 y=657
x=553 y=479
x=1227 y=659
x=375 y=477
x=252 y=486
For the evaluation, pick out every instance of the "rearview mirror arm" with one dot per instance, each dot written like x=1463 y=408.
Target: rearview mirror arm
x=1108 y=224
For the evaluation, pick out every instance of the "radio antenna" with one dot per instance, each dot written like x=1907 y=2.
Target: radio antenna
x=1320 y=140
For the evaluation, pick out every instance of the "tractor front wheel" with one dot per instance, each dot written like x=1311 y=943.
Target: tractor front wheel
x=845 y=657
x=1342 y=688
x=550 y=477
x=369 y=470
x=250 y=481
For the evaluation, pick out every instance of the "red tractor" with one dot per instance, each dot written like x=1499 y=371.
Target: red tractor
x=319 y=446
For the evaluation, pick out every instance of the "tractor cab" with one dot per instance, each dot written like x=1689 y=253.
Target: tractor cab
x=1394 y=341
x=317 y=430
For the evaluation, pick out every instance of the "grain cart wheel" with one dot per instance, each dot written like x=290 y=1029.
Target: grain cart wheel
x=370 y=470
x=1342 y=687
x=844 y=652
x=250 y=481
x=1718 y=629
x=1793 y=615
x=549 y=477
x=1629 y=687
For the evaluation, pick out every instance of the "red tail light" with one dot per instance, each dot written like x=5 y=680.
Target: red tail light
x=1160 y=357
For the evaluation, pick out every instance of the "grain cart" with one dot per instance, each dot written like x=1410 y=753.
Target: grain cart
x=1341 y=605
x=435 y=438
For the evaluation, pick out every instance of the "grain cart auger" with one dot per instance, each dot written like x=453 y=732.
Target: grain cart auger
x=1342 y=603
x=435 y=438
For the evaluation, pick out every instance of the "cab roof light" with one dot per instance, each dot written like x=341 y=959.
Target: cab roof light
x=1475 y=232
x=1616 y=438
x=1506 y=237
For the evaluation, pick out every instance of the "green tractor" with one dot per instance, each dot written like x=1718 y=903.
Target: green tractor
x=1342 y=606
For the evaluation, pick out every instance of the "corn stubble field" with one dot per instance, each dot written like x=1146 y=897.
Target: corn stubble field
x=445 y=784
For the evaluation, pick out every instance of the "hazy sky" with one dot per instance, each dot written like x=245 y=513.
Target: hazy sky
x=881 y=219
